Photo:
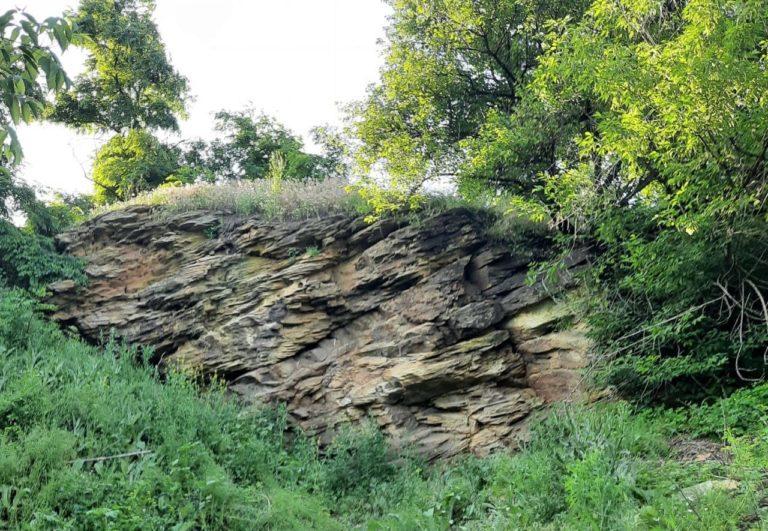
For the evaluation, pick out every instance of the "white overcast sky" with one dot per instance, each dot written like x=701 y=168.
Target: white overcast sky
x=294 y=59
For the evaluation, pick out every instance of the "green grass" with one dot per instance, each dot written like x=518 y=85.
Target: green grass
x=200 y=460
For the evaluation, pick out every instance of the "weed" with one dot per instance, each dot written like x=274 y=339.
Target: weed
x=312 y=251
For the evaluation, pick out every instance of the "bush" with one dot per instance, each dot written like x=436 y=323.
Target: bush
x=29 y=261
x=131 y=163
x=580 y=469
x=739 y=414
x=358 y=459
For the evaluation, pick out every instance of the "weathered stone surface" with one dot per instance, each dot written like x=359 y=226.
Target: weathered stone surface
x=696 y=492
x=429 y=329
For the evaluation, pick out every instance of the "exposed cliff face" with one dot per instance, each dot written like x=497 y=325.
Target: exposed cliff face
x=428 y=328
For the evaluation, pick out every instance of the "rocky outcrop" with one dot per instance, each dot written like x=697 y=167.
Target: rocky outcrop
x=428 y=328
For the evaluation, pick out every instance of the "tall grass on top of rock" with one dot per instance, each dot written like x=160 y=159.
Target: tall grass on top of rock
x=290 y=199
x=278 y=198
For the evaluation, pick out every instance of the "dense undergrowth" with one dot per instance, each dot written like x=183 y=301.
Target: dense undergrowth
x=30 y=260
x=93 y=438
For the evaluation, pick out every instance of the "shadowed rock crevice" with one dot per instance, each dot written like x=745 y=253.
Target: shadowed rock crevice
x=428 y=328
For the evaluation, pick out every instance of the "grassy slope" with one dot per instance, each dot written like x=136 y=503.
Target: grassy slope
x=209 y=463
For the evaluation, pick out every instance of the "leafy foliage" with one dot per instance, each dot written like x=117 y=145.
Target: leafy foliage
x=30 y=261
x=133 y=163
x=24 y=55
x=248 y=145
x=671 y=185
x=27 y=53
x=14 y=194
x=364 y=455
x=739 y=414
x=334 y=145
x=59 y=213
x=454 y=72
x=128 y=82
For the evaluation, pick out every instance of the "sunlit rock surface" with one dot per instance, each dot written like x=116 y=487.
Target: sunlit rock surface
x=429 y=329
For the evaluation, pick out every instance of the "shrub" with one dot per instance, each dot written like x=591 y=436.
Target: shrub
x=741 y=413
x=30 y=262
x=358 y=459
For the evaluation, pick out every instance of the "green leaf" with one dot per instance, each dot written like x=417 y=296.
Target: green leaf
x=30 y=30
x=15 y=146
x=15 y=110
x=31 y=70
x=50 y=76
x=60 y=80
x=6 y=18
x=45 y=63
x=61 y=37
x=38 y=107
x=26 y=112
x=30 y=18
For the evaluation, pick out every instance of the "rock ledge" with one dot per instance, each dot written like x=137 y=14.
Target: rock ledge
x=430 y=329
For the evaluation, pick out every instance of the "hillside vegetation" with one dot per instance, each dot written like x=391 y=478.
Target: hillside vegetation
x=93 y=438
x=636 y=129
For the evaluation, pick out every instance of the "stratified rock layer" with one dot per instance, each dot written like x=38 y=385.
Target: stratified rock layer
x=428 y=328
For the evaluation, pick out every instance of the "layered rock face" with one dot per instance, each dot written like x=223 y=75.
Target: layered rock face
x=427 y=328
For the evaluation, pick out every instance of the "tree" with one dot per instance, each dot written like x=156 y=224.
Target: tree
x=25 y=53
x=249 y=141
x=128 y=82
x=456 y=70
x=671 y=185
x=335 y=151
x=640 y=126
x=130 y=88
x=59 y=213
x=132 y=163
